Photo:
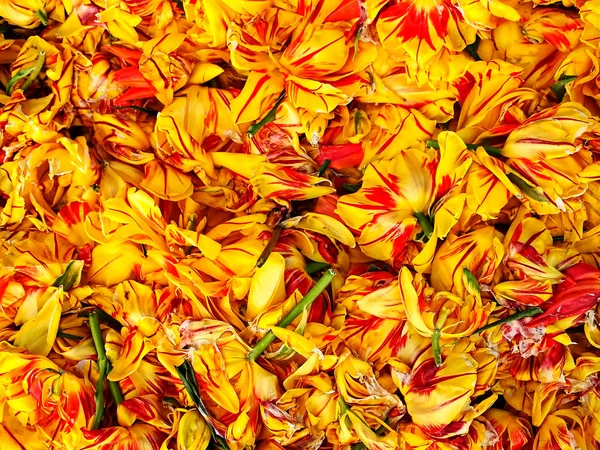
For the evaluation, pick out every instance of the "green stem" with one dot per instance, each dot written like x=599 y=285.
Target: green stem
x=104 y=317
x=492 y=151
x=98 y=343
x=435 y=344
x=104 y=368
x=37 y=68
x=306 y=301
x=64 y=335
x=262 y=259
x=425 y=224
x=437 y=334
x=270 y=117
x=529 y=312
x=323 y=167
x=314 y=267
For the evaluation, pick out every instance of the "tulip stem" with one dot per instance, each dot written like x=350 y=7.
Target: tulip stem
x=106 y=318
x=435 y=345
x=262 y=259
x=425 y=224
x=529 y=312
x=270 y=117
x=62 y=334
x=306 y=301
x=437 y=334
x=323 y=167
x=492 y=151
x=314 y=267
x=104 y=368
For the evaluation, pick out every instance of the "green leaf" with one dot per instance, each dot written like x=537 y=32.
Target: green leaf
x=471 y=283
x=472 y=49
x=188 y=378
x=314 y=267
x=323 y=167
x=71 y=274
x=20 y=74
x=64 y=335
x=33 y=73
x=41 y=13
x=559 y=88
x=351 y=188
x=270 y=117
x=529 y=190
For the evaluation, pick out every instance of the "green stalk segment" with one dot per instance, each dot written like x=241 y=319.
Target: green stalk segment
x=306 y=301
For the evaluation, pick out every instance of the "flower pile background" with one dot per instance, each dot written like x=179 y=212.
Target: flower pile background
x=299 y=224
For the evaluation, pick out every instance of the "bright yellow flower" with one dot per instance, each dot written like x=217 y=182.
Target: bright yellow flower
x=438 y=399
x=442 y=25
x=479 y=251
x=549 y=134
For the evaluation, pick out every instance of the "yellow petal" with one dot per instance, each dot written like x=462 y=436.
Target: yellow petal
x=268 y=287
x=38 y=334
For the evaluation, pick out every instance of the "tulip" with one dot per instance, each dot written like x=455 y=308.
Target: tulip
x=50 y=397
x=549 y=134
x=573 y=298
x=514 y=432
x=479 y=251
x=445 y=27
x=25 y=14
x=281 y=183
x=561 y=430
x=437 y=397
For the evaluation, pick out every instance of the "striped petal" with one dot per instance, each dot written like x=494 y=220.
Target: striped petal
x=282 y=183
x=423 y=27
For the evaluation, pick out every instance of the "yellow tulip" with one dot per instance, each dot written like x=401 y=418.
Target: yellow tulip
x=283 y=184
x=479 y=251
x=442 y=27
x=24 y=14
x=450 y=315
x=437 y=397
x=122 y=138
x=549 y=134
x=514 y=432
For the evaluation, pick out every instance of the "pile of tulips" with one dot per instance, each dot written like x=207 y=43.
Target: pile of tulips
x=299 y=224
